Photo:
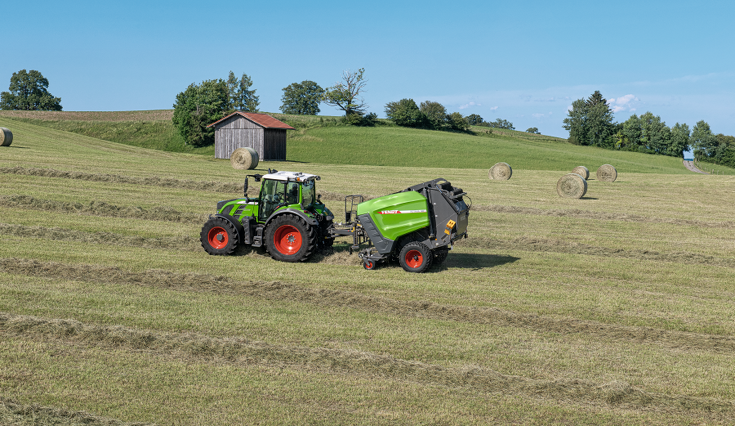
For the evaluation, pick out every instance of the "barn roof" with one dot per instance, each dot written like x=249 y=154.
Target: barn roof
x=263 y=120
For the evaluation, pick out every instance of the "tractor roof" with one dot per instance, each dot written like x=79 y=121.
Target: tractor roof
x=297 y=176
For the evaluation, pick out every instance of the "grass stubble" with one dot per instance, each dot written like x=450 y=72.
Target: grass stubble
x=518 y=284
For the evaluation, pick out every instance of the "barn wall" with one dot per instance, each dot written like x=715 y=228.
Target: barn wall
x=238 y=132
x=275 y=145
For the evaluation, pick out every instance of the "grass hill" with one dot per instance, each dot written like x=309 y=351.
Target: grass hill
x=617 y=308
x=319 y=139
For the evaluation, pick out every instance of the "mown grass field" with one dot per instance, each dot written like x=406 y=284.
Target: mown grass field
x=614 y=309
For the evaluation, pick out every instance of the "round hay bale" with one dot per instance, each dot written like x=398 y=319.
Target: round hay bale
x=244 y=159
x=6 y=137
x=571 y=185
x=607 y=173
x=582 y=171
x=500 y=171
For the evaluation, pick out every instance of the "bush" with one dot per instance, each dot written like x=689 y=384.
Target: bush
x=457 y=122
x=405 y=113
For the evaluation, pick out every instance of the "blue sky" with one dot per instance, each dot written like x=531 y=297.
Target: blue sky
x=523 y=61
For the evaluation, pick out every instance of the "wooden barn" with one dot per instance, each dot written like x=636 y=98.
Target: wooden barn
x=263 y=133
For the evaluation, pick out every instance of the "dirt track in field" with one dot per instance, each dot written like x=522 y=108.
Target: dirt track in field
x=16 y=414
x=99 y=208
x=247 y=352
x=586 y=214
x=61 y=234
x=334 y=298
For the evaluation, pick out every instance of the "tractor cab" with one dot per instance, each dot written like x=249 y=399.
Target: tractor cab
x=286 y=189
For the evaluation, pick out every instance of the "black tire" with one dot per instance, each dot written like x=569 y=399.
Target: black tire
x=219 y=237
x=369 y=265
x=289 y=238
x=440 y=255
x=415 y=257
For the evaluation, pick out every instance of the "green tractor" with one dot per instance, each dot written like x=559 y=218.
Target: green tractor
x=416 y=227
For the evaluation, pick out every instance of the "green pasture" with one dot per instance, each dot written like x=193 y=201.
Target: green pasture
x=617 y=308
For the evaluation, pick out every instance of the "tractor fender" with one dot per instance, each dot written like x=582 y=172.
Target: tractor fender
x=299 y=213
x=236 y=223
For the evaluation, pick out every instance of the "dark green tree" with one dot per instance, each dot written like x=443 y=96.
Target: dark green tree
x=655 y=134
x=703 y=141
x=679 y=140
x=474 y=119
x=590 y=122
x=346 y=95
x=500 y=123
x=533 y=130
x=245 y=99
x=302 y=98
x=456 y=121
x=405 y=113
x=29 y=91
x=435 y=113
x=197 y=107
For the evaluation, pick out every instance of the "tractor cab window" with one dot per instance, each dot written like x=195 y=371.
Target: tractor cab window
x=308 y=192
x=292 y=193
x=272 y=194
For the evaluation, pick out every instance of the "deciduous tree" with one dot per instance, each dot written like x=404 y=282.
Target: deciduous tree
x=197 y=107
x=29 y=91
x=474 y=119
x=302 y=98
x=405 y=113
x=703 y=141
x=533 y=130
x=435 y=113
x=346 y=94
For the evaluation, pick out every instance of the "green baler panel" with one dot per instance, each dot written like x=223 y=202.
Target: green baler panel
x=397 y=214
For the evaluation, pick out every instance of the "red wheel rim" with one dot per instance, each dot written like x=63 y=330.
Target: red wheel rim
x=215 y=235
x=369 y=265
x=414 y=259
x=287 y=239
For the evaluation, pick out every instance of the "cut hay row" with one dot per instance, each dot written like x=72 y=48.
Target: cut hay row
x=223 y=187
x=99 y=208
x=675 y=340
x=246 y=352
x=109 y=238
x=567 y=247
x=220 y=187
x=586 y=214
x=16 y=414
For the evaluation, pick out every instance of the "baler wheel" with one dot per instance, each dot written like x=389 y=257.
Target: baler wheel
x=415 y=257
x=219 y=237
x=290 y=239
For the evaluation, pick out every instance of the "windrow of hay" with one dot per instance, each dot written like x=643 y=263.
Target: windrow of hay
x=559 y=246
x=500 y=171
x=6 y=136
x=16 y=414
x=244 y=351
x=244 y=158
x=582 y=171
x=607 y=173
x=586 y=214
x=211 y=186
x=148 y=181
x=99 y=208
x=109 y=238
x=571 y=185
x=676 y=340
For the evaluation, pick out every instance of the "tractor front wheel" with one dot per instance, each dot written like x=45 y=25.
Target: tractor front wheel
x=415 y=257
x=290 y=239
x=219 y=237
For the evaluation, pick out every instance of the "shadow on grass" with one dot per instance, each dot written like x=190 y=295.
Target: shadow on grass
x=15 y=146
x=588 y=198
x=475 y=261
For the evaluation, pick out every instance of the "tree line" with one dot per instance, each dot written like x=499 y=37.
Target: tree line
x=433 y=116
x=590 y=122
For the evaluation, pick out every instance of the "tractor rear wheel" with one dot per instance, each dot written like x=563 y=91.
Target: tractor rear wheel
x=219 y=237
x=415 y=257
x=290 y=239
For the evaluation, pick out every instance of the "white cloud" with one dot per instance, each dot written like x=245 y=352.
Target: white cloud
x=493 y=108
x=538 y=115
x=471 y=104
x=622 y=103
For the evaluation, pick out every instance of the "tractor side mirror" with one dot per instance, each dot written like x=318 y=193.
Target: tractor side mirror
x=319 y=198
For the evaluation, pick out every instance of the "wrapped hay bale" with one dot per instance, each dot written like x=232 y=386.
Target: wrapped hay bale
x=582 y=171
x=571 y=185
x=6 y=137
x=500 y=171
x=607 y=173
x=244 y=159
